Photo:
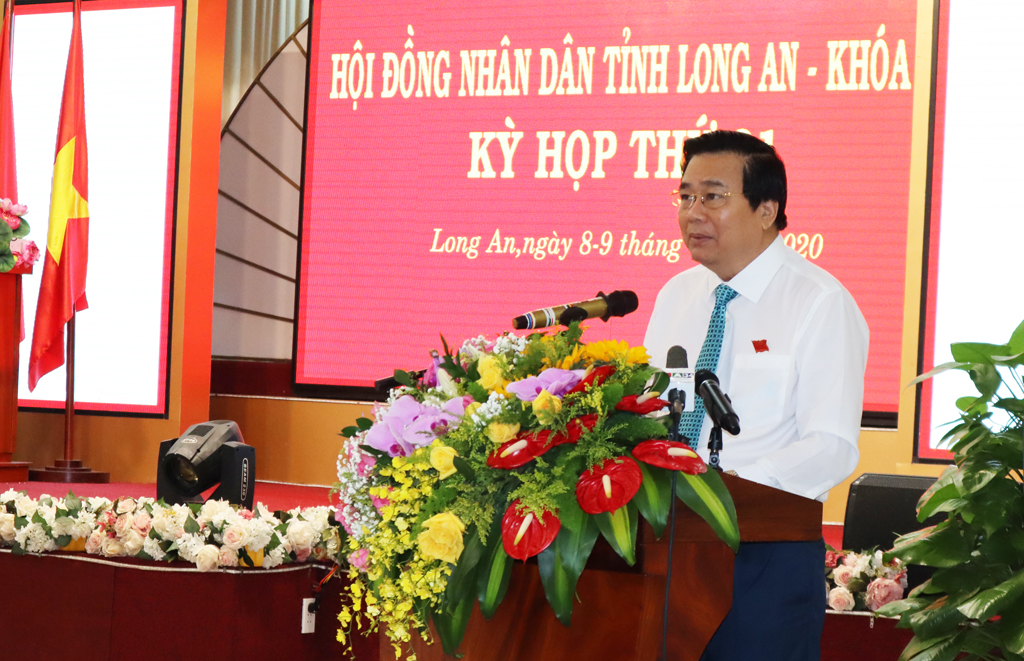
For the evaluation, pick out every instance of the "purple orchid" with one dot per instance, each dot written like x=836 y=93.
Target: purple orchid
x=408 y=425
x=555 y=381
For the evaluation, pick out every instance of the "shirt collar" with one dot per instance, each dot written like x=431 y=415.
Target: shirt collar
x=755 y=276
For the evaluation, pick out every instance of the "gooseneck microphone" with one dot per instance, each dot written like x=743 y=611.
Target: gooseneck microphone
x=716 y=402
x=615 y=304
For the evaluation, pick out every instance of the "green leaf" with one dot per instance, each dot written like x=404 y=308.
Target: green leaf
x=941 y=545
x=941 y=491
x=477 y=391
x=895 y=608
x=936 y=649
x=63 y=540
x=73 y=503
x=612 y=395
x=635 y=429
x=349 y=432
x=977 y=352
x=493 y=579
x=941 y=618
x=619 y=528
x=464 y=469
x=990 y=602
x=451 y=625
x=1011 y=628
x=364 y=423
x=462 y=582
x=654 y=500
x=939 y=369
x=404 y=378
x=661 y=380
x=1016 y=342
x=17 y=549
x=708 y=496
x=23 y=229
x=562 y=563
x=6 y=233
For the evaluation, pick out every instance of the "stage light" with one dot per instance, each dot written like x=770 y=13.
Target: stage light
x=206 y=454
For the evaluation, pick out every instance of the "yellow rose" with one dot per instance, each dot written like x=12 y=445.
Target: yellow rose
x=546 y=407
x=441 y=537
x=441 y=457
x=500 y=432
x=490 y=374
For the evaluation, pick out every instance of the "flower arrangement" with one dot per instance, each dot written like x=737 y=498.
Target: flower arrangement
x=506 y=449
x=15 y=250
x=214 y=534
x=863 y=581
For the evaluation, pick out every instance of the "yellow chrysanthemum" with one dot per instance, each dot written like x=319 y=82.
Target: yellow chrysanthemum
x=609 y=351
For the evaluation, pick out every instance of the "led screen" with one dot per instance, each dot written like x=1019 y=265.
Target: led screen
x=131 y=59
x=469 y=161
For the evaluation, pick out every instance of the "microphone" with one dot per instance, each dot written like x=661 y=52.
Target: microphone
x=615 y=304
x=675 y=360
x=716 y=402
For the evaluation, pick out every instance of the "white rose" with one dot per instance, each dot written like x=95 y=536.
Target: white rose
x=228 y=557
x=111 y=547
x=207 y=558
x=26 y=506
x=7 y=527
x=123 y=524
x=126 y=506
x=301 y=535
x=133 y=542
x=8 y=496
x=235 y=536
x=840 y=599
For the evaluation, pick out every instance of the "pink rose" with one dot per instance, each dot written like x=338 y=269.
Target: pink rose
x=95 y=541
x=228 y=557
x=832 y=558
x=123 y=524
x=245 y=514
x=881 y=591
x=142 y=522
x=842 y=575
x=359 y=559
x=840 y=599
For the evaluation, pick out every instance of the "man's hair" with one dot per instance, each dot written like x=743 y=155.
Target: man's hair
x=764 y=175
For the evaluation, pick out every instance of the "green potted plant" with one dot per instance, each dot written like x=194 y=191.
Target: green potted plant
x=973 y=605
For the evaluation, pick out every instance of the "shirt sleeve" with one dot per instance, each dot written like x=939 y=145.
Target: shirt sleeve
x=829 y=402
x=809 y=467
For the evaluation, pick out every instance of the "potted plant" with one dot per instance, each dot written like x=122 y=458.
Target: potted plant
x=973 y=606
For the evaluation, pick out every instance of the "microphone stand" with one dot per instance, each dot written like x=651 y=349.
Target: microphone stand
x=677 y=401
x=714 y=447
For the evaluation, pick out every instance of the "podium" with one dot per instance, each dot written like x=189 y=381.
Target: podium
x=620 y=609
x=10 y=337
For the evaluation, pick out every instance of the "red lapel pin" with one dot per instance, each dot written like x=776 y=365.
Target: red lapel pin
x=760 y=346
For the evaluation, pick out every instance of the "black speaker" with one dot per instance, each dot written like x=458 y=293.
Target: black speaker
x=882 y=507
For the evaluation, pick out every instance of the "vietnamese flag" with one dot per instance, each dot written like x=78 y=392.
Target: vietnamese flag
x=62 y=290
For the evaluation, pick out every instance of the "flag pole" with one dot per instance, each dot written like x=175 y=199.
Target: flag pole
x=69 y=402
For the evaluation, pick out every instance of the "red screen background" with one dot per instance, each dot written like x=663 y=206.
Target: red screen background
x=386 y=178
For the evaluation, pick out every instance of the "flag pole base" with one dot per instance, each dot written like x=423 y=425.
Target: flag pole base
x=68 y=471
x=14 y=471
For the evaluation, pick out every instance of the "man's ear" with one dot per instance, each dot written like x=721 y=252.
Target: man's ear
x=768 y=211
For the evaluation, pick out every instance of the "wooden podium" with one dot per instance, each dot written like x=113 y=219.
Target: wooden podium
x=10 y=337
x=620 y=608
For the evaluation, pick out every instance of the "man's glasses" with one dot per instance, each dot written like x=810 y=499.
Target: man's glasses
x=709 y=200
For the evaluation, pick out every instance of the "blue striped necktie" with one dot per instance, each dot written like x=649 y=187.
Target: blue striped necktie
x=691 y=422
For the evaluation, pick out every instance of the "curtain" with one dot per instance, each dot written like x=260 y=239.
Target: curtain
x=255 y=30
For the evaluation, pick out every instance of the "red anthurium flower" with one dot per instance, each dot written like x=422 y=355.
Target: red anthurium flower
x=609 y=485
x=574 y=429
x=525 y=536
x=642 y=404
x=525 y=447
x=597 y=376
x=671 y=455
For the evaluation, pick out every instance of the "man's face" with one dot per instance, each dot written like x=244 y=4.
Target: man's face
x=727 y=238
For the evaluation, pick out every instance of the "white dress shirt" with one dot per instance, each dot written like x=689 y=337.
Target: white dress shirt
x=792 y=361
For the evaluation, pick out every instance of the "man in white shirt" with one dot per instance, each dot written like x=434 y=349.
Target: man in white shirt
x=792 y=359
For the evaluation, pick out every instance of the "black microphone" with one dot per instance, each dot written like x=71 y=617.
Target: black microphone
x=716 y=402
x=675 y=360
x=615 y=304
